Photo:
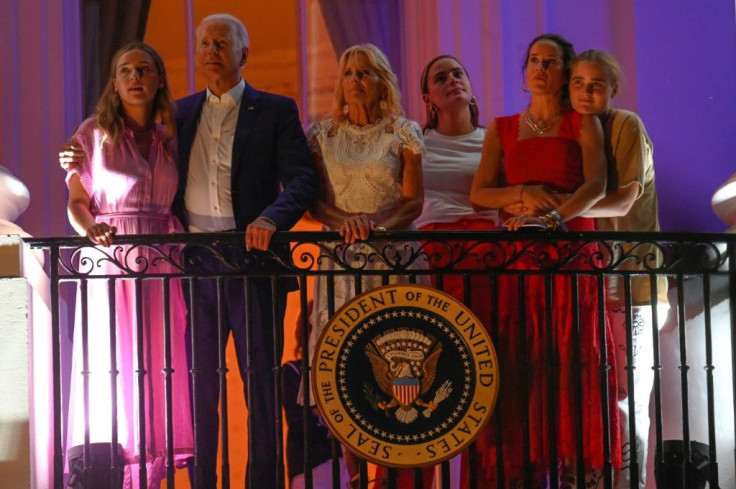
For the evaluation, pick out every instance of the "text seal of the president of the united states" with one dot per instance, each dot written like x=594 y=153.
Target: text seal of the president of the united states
x=405 y=375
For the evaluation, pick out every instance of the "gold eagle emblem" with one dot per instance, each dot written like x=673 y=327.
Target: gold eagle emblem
x=404 y=363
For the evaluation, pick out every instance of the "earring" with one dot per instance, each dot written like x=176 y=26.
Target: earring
x=473 y=101
x=524 y=88
x=345 y=109
x=383 y=105
x=433 y=109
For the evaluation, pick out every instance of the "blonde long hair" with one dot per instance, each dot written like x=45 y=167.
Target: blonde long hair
x=379 y=62
x=109 y=115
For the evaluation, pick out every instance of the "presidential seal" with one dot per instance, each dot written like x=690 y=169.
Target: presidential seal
x=405 y=375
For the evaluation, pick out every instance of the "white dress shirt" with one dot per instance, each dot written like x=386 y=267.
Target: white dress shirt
x=208 y=198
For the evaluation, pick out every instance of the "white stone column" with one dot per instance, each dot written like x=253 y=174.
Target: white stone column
x=15 y=460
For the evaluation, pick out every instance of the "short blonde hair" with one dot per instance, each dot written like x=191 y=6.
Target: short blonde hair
x=380 y=64
x=604 y=60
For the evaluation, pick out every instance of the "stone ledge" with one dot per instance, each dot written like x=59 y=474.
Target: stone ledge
x=9 y=255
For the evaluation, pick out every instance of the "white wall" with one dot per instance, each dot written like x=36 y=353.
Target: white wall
x=14 y=408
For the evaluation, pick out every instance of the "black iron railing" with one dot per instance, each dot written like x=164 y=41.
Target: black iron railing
x=699 y=268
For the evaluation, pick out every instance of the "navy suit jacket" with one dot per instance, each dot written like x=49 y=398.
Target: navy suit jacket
x=273 y=172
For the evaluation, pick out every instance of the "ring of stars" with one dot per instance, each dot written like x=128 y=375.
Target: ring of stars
x=455 y=339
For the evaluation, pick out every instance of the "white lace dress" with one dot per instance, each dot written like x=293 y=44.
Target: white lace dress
x=362 y=173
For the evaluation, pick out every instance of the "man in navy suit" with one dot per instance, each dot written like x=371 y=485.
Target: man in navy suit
x=245 y=165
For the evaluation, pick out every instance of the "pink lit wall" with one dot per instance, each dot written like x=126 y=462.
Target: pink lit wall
x=40 y=102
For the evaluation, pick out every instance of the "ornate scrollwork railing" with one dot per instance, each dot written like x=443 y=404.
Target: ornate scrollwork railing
x=298 y=253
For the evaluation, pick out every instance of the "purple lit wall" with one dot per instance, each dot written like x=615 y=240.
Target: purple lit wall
x=40 y=102
x=678 y=56
x=686 y=62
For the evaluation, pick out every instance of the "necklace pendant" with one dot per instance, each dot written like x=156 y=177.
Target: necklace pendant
x=540 y=126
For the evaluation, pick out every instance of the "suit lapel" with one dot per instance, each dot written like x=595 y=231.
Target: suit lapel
x=250 y=106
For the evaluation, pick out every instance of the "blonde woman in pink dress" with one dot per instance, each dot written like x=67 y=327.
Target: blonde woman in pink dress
x=125 y=183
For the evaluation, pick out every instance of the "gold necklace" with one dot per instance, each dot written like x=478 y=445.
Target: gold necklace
x=540 y=126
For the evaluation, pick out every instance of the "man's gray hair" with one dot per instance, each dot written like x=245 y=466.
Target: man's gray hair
x=236 y=27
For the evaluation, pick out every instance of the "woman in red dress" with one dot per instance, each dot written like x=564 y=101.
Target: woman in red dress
x=545 y=167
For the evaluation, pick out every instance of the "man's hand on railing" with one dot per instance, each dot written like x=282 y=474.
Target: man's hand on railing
x=70 y=156
x=101 y=233
x=258 y=234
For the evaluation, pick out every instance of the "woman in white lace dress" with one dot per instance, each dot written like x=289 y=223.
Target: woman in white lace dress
x=370 y=162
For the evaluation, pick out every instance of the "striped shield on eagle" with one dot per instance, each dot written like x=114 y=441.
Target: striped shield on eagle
x=406 y=390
